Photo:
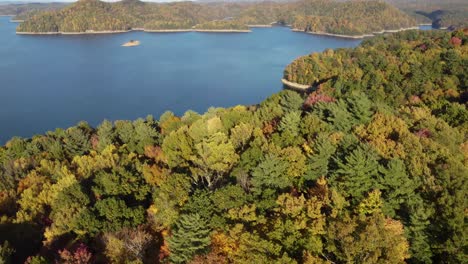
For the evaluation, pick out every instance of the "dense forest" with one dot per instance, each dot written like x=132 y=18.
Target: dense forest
x=351 y=18
x=369 y=166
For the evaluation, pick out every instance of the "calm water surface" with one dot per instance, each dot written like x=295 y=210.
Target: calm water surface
x=56 y=81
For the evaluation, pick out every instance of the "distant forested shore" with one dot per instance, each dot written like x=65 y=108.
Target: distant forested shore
x=202 y=29
x=332 y=17
x=438 y=13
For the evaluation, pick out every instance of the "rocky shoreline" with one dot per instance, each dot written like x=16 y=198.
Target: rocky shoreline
x=91 y=32
x=333 y=35
x=223 y=30
x=38 y=33
x=214 y=31
x=167 y=30
x=395 y=30
x=197 y=30
x=295 y=86
x=261 y=25
x=354 y=36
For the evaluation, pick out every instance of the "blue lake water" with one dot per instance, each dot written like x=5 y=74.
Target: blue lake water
x=56 y=81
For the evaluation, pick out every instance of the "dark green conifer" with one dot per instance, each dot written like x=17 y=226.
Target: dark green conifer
x=191 y=236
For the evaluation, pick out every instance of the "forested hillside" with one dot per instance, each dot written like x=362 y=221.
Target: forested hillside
x=441 y=13
x=21 y=11
x=350 y=18
x=347 y=18
x=370 y=166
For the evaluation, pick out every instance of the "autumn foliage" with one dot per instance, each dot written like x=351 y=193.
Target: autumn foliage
x=371 y=167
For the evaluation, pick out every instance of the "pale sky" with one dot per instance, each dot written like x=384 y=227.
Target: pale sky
x=46 y=1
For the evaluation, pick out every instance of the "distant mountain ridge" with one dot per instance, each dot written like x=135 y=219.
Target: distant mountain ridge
x=440 y=13
x=22 y=9
x=346 y=18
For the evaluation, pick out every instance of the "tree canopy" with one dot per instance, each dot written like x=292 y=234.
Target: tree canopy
x=369 y=166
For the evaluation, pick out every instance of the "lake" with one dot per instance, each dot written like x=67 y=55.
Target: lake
x=56 y=81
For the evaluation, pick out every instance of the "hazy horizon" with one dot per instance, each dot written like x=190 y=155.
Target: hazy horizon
x=70 y=1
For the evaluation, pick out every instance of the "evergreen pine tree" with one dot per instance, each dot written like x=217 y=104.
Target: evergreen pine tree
x=420 y=249
x=76 y=142
x=357 y=173
x=145 y=135
x=290 y=123
x=191 y=236
x=105 y=132
x=396 y=186
x=270 y=173
x=290 y=100
x=360 y=107
x=336 y=114
x=319 y=161
x=449 y=222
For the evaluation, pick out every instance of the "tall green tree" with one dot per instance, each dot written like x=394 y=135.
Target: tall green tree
x=396 y=185
x=319 y=160
x=191 y=236
x=105 y=132
x=357 y=172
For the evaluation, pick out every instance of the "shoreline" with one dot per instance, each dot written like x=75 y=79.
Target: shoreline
x=396 y=30
x=295 y=86
x=16 y=21
x=355 y=36
x=223 y=30
x=38 y=33
x=263 y=25
x=91 y=32
x=198 y=30
x=260 y=26
x=333 y=35
x=73 y=33
x=166 y=30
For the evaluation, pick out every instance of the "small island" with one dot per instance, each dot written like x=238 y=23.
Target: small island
x=131 y=43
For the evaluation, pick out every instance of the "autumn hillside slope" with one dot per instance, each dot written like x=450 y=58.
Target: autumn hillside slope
x=370 y=167
x=331 y=16
x=441 y=13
